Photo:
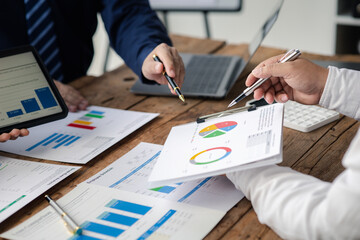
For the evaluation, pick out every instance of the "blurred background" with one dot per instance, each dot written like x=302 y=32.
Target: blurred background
x=319 y=26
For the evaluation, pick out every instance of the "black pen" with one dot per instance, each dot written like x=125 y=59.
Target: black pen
x=289 y=56
x=174 y=86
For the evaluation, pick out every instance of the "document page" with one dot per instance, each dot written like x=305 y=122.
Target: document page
x=79 y=137
x=22 y=181
x=220 y=145
x=105 y=213
x=131 y=173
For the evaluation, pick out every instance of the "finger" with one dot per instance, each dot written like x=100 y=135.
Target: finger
x=164 y=53
x=4 y=137
x=14 y=134
x=24 y=132
x=270 y=95
x=281 y=97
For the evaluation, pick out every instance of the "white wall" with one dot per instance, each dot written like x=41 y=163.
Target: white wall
x=305 y=24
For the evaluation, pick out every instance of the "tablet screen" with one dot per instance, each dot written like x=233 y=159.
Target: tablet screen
x=26 y=93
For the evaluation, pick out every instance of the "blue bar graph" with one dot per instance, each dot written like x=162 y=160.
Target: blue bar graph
x=96 y=112
x=157 y=225
x=41 y=142
x=102 y=229
x=58 y=139
x=52 y=140
x=30 y=105
x=194 y=189
x=46 y=97
x=118 y=218
x=63 y=142
x=164 y=189
x=14 y=113
x=128 y=207
x=72 y=141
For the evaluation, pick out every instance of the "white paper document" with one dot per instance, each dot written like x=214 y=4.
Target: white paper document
x=217 y=146
x=79 y=137
x=131 y=172
x=105 y=213
x=22 y=181
x=116 y=204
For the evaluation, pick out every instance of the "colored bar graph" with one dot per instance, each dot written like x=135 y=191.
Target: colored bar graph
x=118 y=218
x=46 y=98
x=14 y=113
x=102 y=229
x=157 y=225
x=93 y=115
x=82 y=122
x=164 y=189
x=41 y=142
x=30 y=105
x=96 y=112
x=128 y=207
x=81 y=126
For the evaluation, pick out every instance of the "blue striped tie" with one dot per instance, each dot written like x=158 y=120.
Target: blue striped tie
x=42 y=35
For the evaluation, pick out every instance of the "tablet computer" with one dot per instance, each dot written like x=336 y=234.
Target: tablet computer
x=28 y=95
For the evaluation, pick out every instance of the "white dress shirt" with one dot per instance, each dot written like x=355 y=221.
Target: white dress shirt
x=299 y=206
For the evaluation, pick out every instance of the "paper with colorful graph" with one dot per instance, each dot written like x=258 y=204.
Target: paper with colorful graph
x=234 y=142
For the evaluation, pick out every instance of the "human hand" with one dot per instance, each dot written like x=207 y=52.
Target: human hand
x=172 y=62
x=73 y=98
x=299 y=80
x=14 y=134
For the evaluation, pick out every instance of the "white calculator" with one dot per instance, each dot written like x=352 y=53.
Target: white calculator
x=304 y=118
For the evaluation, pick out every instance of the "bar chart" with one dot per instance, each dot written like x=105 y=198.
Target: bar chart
x=86 y=121
x=42 y=96
x=55 y=141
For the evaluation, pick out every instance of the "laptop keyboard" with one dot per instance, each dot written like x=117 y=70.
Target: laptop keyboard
x=204 y=73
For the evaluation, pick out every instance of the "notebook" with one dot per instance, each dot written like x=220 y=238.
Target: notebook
x=212 y=75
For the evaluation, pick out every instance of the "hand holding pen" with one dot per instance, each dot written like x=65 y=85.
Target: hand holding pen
x=172 y=83
x=289 y=56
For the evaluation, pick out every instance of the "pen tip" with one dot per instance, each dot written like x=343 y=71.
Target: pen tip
x=231 y=104
x=182 y=98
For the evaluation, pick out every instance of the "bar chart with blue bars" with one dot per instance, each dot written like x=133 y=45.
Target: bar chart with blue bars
x=55 y=141
x=113 y=224
x=45 y=98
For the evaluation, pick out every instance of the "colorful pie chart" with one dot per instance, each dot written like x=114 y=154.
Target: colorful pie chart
x=210 y=155
x=217 y=129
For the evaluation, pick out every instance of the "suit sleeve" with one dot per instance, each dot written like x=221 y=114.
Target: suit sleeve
x=134 y=30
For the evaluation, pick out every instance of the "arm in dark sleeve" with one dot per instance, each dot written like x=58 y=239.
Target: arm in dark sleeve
x=134 y=30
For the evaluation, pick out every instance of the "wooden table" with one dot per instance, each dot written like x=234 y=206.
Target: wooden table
x=317 y=153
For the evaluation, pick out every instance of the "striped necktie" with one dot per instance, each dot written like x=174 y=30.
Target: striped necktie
x=42 y=35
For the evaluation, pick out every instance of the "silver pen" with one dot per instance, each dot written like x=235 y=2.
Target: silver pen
x=69 y=223
x=289 y=56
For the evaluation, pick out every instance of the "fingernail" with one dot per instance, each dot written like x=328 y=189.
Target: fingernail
x=256 y=71
x=172 y=72
x=284 y=98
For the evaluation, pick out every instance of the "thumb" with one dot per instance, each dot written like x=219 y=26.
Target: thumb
x=272 y=70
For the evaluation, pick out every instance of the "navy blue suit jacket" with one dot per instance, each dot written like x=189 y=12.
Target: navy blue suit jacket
x=133 y=28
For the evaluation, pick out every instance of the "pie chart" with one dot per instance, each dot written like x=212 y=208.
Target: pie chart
x=217 y=129
x=210 y=155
